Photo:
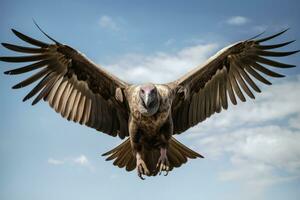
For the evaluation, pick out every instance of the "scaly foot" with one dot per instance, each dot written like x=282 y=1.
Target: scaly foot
x=163 y=162
x=141 y=167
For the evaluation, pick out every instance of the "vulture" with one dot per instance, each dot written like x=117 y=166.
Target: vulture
x=146 y=116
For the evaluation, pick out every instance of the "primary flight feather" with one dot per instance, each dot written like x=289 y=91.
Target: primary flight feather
x=148 y=115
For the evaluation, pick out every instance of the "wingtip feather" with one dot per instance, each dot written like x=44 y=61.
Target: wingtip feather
x=272 y=36
x=15 y=31
x=4 y=44
x=15 y=87
x=35 y=23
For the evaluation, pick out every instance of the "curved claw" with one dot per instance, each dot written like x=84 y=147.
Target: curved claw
x=163 y=165
x=140 y=174
x=142 y=169
x=167 y=171
x=166 y=174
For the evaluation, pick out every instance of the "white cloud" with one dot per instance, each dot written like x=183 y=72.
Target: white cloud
x=258 y=157
x=295 y=122
x=108 y=23
x=160 y=67
x=83 y=161
x=260 y=138
x=80 y=160
x=53 y=161
x=237 y=20
x=169 y=42
x=258 y=154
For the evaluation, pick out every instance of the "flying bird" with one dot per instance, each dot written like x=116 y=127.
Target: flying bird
x=147 y=116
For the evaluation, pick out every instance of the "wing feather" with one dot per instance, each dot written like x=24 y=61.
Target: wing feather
x=228 y=74
x=230 y=91
x=223 y=90
x=23 y=49
x=44 y=92
x=73 y=85
x=32 y=78
x=70 y=104
x=265 y=70
x=242 y=83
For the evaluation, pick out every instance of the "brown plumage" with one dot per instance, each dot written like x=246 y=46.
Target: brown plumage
x=147 y=115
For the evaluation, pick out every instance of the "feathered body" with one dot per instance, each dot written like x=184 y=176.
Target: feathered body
x=150 y=124
x=149 y=114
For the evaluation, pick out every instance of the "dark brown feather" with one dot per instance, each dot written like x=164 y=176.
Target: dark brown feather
x=273 y=63
x=257 y=75
x=31 y=79
x=44 y=92
x=274 y=46
x=241 y=81
x=24 y=58
x=28 y=68
x=265 y=70
x=276 y=54
x=271 y=37
x=40 y=85
x=29 y=39
x=223 y=90
x=248 y=79
x=79 y=87
x=23 y=49
x=230 y=91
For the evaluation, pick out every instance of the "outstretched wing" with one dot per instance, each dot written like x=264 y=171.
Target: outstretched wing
x=205 y=90
x=73 y=85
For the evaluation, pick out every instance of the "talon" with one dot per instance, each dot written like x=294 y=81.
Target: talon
x=168 y=168
x=140 y=172
x=141 y=168
x=163 y=163
x=161 y=168
x=141 y=177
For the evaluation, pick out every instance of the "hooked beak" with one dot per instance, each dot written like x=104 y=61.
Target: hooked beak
x=147 y=100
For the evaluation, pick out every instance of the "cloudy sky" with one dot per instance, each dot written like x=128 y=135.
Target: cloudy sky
x=252 y=150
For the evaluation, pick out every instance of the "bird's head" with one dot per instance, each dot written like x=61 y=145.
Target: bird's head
x=149 y=99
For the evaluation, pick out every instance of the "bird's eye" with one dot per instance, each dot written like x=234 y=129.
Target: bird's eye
x=142 y=91
x=153 y=91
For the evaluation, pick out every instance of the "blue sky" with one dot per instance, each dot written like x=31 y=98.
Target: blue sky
x=252 y=150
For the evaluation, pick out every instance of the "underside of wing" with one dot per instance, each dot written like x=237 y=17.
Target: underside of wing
x=230 y=74
x=74 y=86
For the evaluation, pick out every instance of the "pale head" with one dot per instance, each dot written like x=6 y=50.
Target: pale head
x=149 y=99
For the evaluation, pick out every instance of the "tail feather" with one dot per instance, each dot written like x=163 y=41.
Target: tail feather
x=187 y=152
x=173 y=149
x=177 y=153
x=116 y=148
x=131 y=163
x=173 y=159
x=124 y=159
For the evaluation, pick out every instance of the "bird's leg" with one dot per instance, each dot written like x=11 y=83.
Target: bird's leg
x=163 y=162
x=141 y=166
x=166 y=132
x=135 y=140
